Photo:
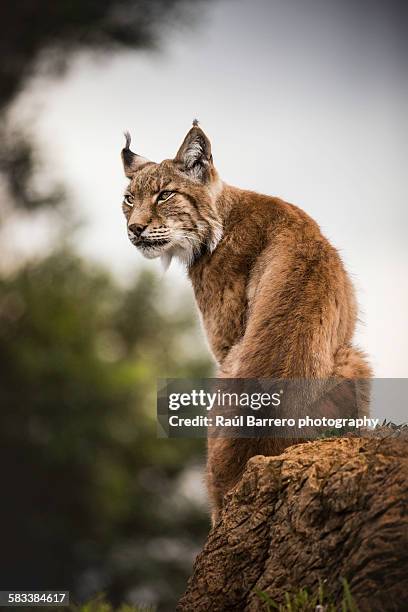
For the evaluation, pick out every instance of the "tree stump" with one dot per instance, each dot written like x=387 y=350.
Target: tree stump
x=320 y=512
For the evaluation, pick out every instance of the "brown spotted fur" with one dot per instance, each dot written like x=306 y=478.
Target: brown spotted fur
x=274 y=296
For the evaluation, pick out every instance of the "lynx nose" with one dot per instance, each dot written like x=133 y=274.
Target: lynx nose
x=137 y=229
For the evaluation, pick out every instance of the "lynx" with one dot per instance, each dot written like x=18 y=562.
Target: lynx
x=274 y=296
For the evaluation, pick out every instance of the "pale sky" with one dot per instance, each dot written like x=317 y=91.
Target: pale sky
x=306 y=101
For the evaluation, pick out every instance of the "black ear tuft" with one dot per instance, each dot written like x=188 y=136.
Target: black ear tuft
x=131 y=162
x=128 y=139
x=194 y=155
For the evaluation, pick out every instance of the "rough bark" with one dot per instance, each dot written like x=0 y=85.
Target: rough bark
x=321 y=511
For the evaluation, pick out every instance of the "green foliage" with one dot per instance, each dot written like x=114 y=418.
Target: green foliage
x=29 y=28
x=100 y=604
x=336 y=432
x=305 y=601
x=348 y=604
x=91 y=495
x=91 y=499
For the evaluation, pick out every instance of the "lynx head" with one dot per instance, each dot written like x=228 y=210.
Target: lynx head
x=170 y=207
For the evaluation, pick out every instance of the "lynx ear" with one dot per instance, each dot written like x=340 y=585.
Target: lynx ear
x=194 y=155
x=131 y=162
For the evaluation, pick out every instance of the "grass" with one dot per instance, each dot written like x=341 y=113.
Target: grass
x=304 y=601
x=99 y=604
x=300 y=601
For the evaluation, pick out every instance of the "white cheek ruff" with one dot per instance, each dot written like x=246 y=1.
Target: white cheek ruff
x=166 y=260
x=184 y=252
x=150 y=253
x=188 y=247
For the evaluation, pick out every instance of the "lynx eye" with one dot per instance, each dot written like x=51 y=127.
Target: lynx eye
x=165 y=195
x=128 y=199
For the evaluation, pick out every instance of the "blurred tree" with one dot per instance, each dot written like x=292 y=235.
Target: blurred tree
x=33 y=30
x=90 y=495
x=92 y=500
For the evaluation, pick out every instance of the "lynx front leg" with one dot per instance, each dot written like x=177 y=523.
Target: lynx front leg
x=226 y=461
